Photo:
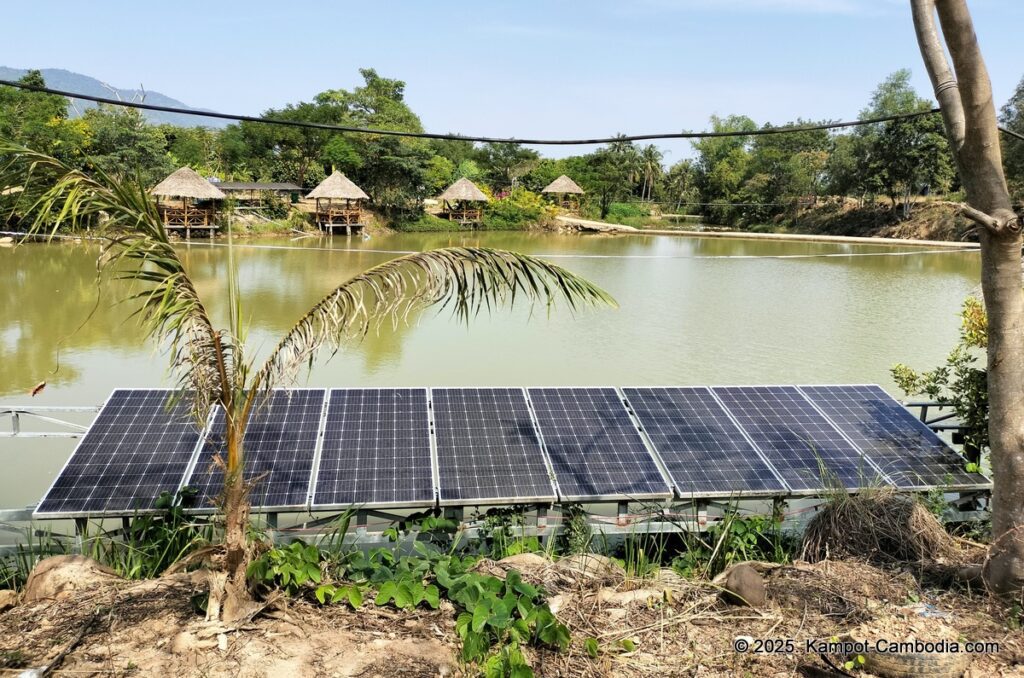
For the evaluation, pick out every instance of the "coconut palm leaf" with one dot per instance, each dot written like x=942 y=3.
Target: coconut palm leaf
x=136 y=248
x=465 y=279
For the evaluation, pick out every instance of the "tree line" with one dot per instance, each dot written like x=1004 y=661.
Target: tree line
x=737 y=180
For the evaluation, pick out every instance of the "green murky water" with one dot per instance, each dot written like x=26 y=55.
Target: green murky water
x=692 y=311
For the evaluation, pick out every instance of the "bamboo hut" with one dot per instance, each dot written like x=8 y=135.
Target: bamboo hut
x=566 y=193
x=463 y=202
x=193 y=194
x=338 y=203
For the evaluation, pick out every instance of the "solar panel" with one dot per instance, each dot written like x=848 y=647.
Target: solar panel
x=376 y=450
x=899 y=443
x=279 y=445
x=595 y=449
x=488 y=450
x=135 y=449
x=703 y=450
x=803 y=446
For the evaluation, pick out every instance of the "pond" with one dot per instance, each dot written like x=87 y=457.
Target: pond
x=691 y=311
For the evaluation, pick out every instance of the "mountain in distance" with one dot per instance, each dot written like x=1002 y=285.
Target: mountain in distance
x=61 y=79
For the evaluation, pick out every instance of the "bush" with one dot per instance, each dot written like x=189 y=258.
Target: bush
x=625 y=210
x=521 y=209
x=427 y=223
x=505 y=215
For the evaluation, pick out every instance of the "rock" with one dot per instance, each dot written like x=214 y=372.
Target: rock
x=591 y=565
x=556 y=603
x=624 y=598
x=8 y=599
x=615 y=614
x=59 y=577
x=524 y=561
x=744 y=586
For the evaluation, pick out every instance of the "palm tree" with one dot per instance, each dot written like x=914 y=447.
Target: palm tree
x=651 y=158
x=210 y=364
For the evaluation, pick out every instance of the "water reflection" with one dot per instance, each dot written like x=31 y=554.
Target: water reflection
x=682 y=320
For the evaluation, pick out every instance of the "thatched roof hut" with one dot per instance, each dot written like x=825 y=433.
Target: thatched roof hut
x=563 y=185
x=186 y=183
x=338 y=186
x=463 y=190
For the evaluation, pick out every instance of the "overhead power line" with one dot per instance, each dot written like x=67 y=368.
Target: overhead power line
x=786 y=129
x=765 y=131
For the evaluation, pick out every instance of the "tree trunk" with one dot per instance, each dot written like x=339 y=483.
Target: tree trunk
x=979 y=161
x=236 y=600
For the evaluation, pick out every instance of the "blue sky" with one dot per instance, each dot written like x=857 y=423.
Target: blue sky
x=526 y=68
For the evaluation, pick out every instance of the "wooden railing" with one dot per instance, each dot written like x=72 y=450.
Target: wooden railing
x=188 y=217
x=340 y=216
x=465 y=215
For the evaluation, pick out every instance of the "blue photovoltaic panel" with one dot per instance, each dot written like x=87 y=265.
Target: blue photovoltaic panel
x=376 y=450
x=595 y=450
x=134 y=450
x=899 y=443
x=487 y=447
x=803 y=446
x=280 y=441
x=703 y=450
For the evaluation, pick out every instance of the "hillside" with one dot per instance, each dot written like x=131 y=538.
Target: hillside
x=58 y=78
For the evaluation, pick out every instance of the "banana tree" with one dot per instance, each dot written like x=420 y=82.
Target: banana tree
x=210 y=364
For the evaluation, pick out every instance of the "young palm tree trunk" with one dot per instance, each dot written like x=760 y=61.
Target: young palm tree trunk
x=236 y=509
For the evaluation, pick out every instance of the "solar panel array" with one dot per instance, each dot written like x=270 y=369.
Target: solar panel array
x=375 y=448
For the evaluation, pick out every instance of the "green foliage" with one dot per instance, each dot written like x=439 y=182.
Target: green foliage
x=154 y=542
x=124 y=146
x=424 y=222
x=618 y=211
x=16 y=567
x=1011 y=116
x=503 y=164
x=289 y=568
x=520 y=209
x=13 y=659
x=491 y=612
x=439 y=174
x=502 y=535
x=576 y=531
x=735 y=538
x=960 y=383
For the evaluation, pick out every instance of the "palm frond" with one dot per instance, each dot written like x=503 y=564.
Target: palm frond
x=465 y=279
x=126 y=218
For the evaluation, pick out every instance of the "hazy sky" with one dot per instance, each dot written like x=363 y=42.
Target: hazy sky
x=525 y=68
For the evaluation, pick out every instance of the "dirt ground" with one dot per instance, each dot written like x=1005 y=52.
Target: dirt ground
x=678 y=628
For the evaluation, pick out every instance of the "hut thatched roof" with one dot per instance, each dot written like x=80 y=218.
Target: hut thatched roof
x=463 y=189
x=563 y=184
x=186 y=183
x=338 y=186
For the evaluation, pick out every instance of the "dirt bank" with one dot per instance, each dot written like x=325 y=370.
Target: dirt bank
x=674 y=627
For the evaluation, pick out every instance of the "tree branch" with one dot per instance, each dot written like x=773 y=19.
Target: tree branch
x=1004 y=223
x=939 y=71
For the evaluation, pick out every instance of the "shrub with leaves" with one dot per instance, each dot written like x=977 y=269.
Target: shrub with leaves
x=960 y=383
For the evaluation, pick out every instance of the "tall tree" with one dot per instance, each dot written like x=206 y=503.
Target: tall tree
x=970 y=119
x=505 y=163
x=1011 y=115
